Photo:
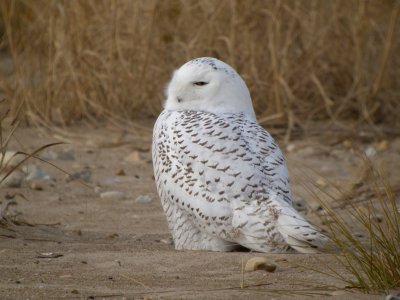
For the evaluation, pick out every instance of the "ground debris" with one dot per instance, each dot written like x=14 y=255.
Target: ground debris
x=36 y=185
x=34 y=172
x=120 y=172
x=144 y=199
x=14 y=180
x=133 y=156
x=84 y=175
x=64 y=154
x=49 y=255
x=259 y=263
x=113 y=195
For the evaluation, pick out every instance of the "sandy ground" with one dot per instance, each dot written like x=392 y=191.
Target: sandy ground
x=111 y=248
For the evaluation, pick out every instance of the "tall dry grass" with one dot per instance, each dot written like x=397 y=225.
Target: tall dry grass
x=302 y=60
x=366 y=230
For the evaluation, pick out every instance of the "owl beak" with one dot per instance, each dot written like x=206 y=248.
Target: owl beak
x=179 y=99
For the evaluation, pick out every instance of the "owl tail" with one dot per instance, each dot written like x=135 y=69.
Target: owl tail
x=300 y=234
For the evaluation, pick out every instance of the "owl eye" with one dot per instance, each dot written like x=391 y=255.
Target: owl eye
x=200 y=83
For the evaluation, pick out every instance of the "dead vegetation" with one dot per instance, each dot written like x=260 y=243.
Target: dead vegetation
x=302 y=60
x=367 y=232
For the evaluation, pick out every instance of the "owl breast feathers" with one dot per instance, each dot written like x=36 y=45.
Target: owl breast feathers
x=221 y=177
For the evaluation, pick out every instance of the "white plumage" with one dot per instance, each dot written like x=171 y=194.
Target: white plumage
x=221 y=177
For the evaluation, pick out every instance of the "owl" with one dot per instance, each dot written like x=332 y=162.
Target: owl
x=221 y=177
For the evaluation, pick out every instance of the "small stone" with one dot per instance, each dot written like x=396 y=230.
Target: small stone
x=84 y=175
x=35 y=185
x=259 y=263
x=113 y=235
x=49 y=255
x=168 y=241
x=48 y=155
x=34 y=172
x=370 y=151
x=74 y=292
x=133 y=156
x=291 y=147
x=358 y=235
x=110 y=181
x=144 y=199
x=120 y=172
x=14 y=180
x=113 y=195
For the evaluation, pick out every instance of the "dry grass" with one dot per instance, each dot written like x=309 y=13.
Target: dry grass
x=303 y=60
x=367 y=234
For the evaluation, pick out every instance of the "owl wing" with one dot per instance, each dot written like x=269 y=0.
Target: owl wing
x=208 y=164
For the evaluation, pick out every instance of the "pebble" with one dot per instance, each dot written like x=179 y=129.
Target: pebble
x=133 y=156
x=14 y=180
x=49 y=255
x=85 y=175
x=110 y=181
x=113 y=195
x=33 y=172
x=168 y=241
x=259 y=263
x=144 y=199
x=370 y=151
x=35 y=185
x=291 y=147
x=120 y=172
x=48 y=155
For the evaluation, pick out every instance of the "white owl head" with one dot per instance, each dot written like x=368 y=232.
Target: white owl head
x=208 y=84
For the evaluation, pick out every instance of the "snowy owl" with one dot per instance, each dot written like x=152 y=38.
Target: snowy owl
x=221 y=177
